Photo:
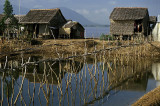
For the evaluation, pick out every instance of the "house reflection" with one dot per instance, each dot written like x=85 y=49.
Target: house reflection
x=138 y=83
x=131 y=76
x=52 y=72
x=156 y=73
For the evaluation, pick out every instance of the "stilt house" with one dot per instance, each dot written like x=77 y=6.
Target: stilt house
x=129 y=22
x=43 y=22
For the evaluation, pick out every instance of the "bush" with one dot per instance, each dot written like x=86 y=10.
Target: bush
x=106 y=37
x=35 y=42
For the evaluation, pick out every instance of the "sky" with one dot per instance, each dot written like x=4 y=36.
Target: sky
x=97 y=11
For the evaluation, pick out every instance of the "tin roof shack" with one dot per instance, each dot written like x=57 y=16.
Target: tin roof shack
x=43 y=22
x=129 y=22
x=72 y=29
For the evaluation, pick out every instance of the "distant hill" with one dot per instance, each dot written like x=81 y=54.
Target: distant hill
x=68 y=14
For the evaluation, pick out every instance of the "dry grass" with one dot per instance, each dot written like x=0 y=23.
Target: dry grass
x=69 y=47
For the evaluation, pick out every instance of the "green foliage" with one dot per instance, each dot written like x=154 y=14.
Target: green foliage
x=2 y=25
x=8 y=15
x=8 y=9
x=8 y=12
x=106 y=37
x=35 y=42
x=14 y=22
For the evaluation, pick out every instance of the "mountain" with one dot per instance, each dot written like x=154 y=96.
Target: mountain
x=68 y=14
x=72 y=15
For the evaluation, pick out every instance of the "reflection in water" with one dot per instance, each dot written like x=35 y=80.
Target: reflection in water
x=156 y=73
x=57 y=71
x=71 y=82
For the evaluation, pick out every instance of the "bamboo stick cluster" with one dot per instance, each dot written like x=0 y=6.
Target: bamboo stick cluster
x=70 y=80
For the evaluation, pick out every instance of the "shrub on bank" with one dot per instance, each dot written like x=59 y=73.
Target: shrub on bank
x=35 y=42
x=106 y=37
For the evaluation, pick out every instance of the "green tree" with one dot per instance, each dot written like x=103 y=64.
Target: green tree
x=8 y=9
x=2 y=26
x=8 y=15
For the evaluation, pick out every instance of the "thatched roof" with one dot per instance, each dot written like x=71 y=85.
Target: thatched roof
x=71 y=24
x=42 y=16
x=19 y=17
x=153 y=19
x=16 y=18
x=128 y=13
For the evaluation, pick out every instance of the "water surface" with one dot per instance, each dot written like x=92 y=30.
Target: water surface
x=96 y=32
x=90 y=80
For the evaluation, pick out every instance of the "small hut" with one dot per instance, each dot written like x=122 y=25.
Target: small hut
x=43 y=22
x=152 y=20
x=72 y=29
x=129 y=22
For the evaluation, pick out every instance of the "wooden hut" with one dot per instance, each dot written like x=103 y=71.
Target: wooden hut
x=72 y=29
x=152 y=19
x=129 y=21
x=43 y=22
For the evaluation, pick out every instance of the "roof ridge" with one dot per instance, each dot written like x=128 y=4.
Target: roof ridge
x=133 y=7
x=45 y=9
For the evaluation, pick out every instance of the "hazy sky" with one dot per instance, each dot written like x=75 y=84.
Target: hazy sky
x=97 y=11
